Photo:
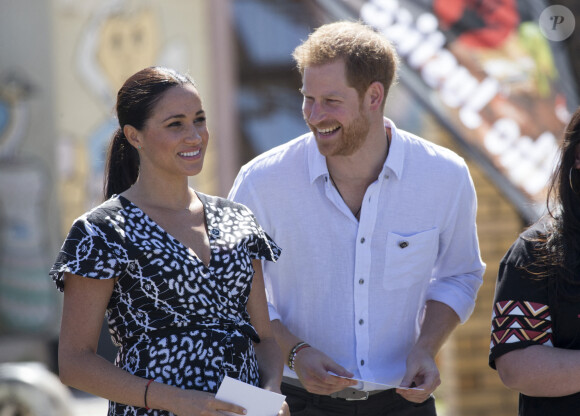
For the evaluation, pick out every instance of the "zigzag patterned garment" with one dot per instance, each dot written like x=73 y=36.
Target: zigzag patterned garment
x=163 y=285
x=514 y=321
x=534 y=307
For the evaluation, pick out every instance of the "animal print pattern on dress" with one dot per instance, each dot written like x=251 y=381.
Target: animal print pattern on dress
x=161 y=285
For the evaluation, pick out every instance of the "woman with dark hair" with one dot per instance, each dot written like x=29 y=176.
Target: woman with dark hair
x=535 y=340
x=177 y=272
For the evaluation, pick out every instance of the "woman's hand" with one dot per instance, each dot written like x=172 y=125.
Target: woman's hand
x=285 y=410
x=275 y=388
x=200 y=403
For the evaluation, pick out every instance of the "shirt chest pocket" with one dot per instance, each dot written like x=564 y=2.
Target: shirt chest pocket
x=409 y=259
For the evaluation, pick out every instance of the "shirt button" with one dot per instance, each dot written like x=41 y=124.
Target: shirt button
x=362 y=362
x=361 y=281
x=403 y=244
x=361 y=321
x=362 y=240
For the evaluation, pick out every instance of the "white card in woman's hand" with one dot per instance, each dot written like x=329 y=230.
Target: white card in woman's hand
x=257 y=401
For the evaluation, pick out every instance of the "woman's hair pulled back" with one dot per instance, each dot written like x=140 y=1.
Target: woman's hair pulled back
x=135 y=102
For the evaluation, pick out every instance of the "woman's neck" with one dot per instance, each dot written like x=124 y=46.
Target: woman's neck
x=157 y=194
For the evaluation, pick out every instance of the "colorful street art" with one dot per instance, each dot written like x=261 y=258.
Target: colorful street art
x=26 y=301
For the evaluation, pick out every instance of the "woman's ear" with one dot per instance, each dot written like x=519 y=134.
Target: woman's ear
x=132 y=135
x=577 y=156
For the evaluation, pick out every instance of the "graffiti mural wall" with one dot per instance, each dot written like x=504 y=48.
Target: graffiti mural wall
x=112 y=40
x=27 y=216
x=61 y=65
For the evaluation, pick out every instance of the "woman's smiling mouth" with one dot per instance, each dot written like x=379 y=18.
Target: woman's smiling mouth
x=189 y=154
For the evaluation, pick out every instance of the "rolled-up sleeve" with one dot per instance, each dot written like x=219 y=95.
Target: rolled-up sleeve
x=459 y=269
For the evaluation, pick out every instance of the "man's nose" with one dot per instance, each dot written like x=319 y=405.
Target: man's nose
x=313 y=113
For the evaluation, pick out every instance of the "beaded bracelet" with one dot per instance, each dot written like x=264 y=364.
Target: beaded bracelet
x=145 y=395
x=294 y=351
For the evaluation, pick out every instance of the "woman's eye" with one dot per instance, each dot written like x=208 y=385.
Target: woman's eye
x=175 y=124
x=199 y=120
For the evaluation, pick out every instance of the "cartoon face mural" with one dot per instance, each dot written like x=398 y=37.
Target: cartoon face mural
x=121 y=38
x=127 y=43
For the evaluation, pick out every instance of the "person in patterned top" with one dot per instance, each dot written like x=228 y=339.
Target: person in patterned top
x=177 y=272
x=535 y=326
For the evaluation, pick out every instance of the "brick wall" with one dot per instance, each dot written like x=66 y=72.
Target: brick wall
x=469 y=386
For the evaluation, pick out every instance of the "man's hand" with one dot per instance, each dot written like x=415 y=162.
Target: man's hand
x=312 y=367
x=438 y=323
x=422 y=373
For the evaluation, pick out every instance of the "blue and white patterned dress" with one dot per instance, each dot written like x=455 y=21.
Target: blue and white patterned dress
x=173 y=318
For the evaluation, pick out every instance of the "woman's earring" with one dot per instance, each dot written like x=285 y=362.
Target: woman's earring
x=570 y=179
x=139 y=147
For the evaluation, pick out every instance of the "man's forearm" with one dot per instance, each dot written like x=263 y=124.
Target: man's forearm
x=438 y=323
x=286 y=339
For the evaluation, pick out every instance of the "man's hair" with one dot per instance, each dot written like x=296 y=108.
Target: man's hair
x=367 y=54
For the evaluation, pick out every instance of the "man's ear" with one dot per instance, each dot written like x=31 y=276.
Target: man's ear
x=133 y=136
x=375 y=94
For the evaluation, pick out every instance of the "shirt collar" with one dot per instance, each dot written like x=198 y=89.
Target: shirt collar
x=316 y=162
x=394 y=162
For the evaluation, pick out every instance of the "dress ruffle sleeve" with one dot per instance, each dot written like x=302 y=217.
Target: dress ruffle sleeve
x=263 y=246
x=92 y=249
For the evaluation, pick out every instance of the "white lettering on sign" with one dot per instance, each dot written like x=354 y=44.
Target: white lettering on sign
x=529 y=163
x=419 y=42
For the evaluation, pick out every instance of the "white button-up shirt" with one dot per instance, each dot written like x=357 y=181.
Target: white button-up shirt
x=357 y=290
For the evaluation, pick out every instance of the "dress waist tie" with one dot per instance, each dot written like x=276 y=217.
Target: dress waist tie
x=226 y=325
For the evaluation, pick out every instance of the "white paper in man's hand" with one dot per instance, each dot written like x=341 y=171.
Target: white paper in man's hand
x=257 y=401
x=370 y=385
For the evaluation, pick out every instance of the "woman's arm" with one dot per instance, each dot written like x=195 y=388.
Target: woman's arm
x=541 y=371
x=85 y=302
x=268 y=353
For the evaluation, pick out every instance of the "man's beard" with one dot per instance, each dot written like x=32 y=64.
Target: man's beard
x=353 y=137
